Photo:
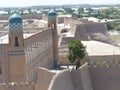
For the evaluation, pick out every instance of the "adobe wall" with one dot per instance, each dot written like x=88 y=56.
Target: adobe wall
x=91 y=59
x=4 y=17
x=105 y=78
x=32 y=16
x=49 y=49
x=62 y=81
x=77 y=80
x=37 y=36
x=44 y=79
x=85 y=77
x=39 y=52
x=60 y=20
x=93 y=31
x=96 y=27
x=20 y=86
x=81 y=32
x=3 y=61
x=72 y=80
x=107 y=58
x=63 y=60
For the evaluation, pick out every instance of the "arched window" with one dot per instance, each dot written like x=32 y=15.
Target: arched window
x=16 y=41
x=48 y=25
x=53 y=26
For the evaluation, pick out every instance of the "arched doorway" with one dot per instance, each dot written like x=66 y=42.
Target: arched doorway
x=16 y=41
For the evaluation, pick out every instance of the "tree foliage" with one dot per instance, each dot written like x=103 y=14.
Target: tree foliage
x=76 y=51
x=69 y=10
x=115 y=25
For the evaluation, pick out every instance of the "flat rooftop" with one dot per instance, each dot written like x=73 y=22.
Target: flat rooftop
x=99 y=48
x=94 y=48
x=5 y=40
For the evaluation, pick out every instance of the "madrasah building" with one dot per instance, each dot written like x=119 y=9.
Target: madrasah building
x=21 y=53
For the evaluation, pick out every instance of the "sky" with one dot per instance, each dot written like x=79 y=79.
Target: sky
x=22 y=3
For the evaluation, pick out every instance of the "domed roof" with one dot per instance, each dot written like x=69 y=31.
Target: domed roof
x=15 y=18
x=52 y=14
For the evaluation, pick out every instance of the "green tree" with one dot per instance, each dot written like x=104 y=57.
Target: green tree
x=114 y=25
x=69 y=10
x=76 y=52
x=80 y=12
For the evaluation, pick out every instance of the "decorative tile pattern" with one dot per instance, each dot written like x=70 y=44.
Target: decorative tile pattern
x=15 y=26
x=16 y=52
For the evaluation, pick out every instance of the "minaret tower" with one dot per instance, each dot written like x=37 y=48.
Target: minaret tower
x=16 y=31
x=17 y=62
x=52 y=23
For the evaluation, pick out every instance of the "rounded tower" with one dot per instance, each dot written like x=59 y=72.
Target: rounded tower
x=15 y=31
x=52 y=17
x=52 y=23
x=17 y=61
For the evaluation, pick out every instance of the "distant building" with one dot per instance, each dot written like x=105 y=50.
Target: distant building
x=61 y=18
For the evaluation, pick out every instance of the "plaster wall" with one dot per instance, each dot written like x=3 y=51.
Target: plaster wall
x=107 y=58
x=62 y=81
x=18 y=86
x=104 y=78
x=44 y=79
x=72 y=80
x=85 y=77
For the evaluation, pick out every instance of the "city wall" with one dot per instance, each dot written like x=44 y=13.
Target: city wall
x=93 y=31
x=85 y=77
x=41 y=34
x=72 y=80
x=43 y=37
x=105 y=77
x=102 y=76
x=63 y=60
x=62 y=81
x=17 y=86
x=44 y=79
x=106 y=58
x=39 y=52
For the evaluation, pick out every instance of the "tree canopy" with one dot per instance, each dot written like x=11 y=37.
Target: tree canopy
x=114 y=25
x=76 y=51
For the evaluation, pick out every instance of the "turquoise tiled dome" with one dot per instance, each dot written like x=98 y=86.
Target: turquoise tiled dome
x=52 y=14
x=15 y=18
x=15 y=22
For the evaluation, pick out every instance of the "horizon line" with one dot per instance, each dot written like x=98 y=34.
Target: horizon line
x=54 y=5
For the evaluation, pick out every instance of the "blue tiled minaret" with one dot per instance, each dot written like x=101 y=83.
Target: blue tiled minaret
x=16 y=31
x=52 y=14
x=52 y=23
x=15 y=22
x=52 y=18
x=16 y=54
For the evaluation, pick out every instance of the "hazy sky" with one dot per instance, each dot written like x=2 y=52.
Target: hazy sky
x=21 y=3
